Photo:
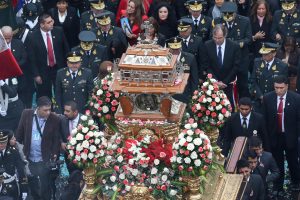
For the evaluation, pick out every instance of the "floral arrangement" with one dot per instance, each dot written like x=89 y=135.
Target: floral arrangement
x=142 y=161
x=103 y=103
x=192 y=150
x=210 y=106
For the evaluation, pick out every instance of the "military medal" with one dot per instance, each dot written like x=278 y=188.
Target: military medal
x=110 y=32
x=79 y=73
x=94 y=52
x=202 y=21
x=295 y=15
x=283 y=15
x=91 y=17
x=274 y=68
x=262 y=65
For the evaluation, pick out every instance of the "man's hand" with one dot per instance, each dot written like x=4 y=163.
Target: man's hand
x=24 y=196
x=278 y=37
x=38 y=80
x=221 y=85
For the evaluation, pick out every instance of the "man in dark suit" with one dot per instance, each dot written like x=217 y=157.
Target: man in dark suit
x=110 y=36
x=282 y=116
x=39 y=132
x=267 y=167
x=73 y=83
x=201 y=23
x=255 y=187
x=66 y=17
x=92 y=54
x=223 y=60
x=239 y=31
x=88 y=18
x=264 y=71
x=188 y=62
x=47 y=50
x=244 y=123
x=191 y=43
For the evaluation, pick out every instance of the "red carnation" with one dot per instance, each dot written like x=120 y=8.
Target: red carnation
x=223 y=110
x=213 y=115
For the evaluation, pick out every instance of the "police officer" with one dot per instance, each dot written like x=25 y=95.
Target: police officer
x=73 y=83
x=110 y=36
x=286 y=22
x=88 y=18
x=191 y=43
x=264 y=70
x=201 y=23
x=239 y=31
x=189 y=64
x=92 y=54
x=10 y=163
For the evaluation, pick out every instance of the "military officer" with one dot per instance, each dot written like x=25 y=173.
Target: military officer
x=92 y=54
x=189 y=64
x=191 y=43
x=110 y=36
x=264 y=70
x=239 y=31
x=286 y=22
x=201 y=23
x=88 y=18
x=73 y=83
x=10 y=163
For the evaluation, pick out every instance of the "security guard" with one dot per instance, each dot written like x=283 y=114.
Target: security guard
x=92 y=54
x=264 y=70
x=188 y=61
x=201 y=23
x=88 y=18
x=286 y=22
x=10 y=163
x=73 y=83
x=110 y=36
x=191 y=43
x=239 y=31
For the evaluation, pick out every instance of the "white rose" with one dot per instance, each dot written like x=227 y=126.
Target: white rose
x=135 y=172
x=93 y=148
x=194 y=155
x=220 y=117
x=189 y=138
x=96 y=106
x=122 y=176
x=164 y=178
x=179 y=160
x=77 y=157
x=197 y=141
x=190 y=147
x=127 y=188
x=113 y=178
x=166 y=170
x=85 y=129
x=190 y=132
x=187 y=160
x=205 y=84
x=211 y=108
x=84 y=156
x=97 y=141
x=105 y=109
x=120 y=159
x=197 y=162
x=219 y=107
x=90 y=156
x=90 y=133
x=217 y=99
x=71 y=153
x=209 y=156
x=79 y=136
x=115 y=188
x=83 y=118
x=74 y=131
x=210 y=87
x=99 y=92
x=154 y=181
x=194 y=125
x=85 y=144
x=153 y=170
x=130 y=161
x=173 y=159
x=182 y=141
x=209 y=99
x=79 y=147
x=156 y=161
x=204 y=100
x=208 y=92
x=227 y=114
x=187 y=126
x=175 y=146
x=173 y=192
x=198 y=106
x=90 y=122
x=73 y=141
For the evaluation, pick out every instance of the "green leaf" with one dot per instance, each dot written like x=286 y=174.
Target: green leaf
x=114 y=196
x=178 y=183
x=105 y=172
x=97 y=189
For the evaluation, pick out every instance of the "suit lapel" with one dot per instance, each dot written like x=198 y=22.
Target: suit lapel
x=226 y=53
x=40 y=38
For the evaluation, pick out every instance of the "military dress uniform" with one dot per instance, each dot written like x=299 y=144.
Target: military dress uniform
x=76 y=88
x=10 y=163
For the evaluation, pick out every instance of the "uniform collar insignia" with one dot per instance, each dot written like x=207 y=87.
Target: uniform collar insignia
x=94 y=52
x=67 y=73
x=79 y=72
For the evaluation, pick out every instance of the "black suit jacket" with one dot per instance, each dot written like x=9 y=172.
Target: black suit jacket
x=234 y=129
x=231 y=61
x=204 y=27
x=291 y=118
x=65 y=132
x=38 y=52
x=254 y=189
x=70 y=26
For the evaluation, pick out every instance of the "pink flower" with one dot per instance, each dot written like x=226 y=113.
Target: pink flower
x=117 y=94
x=125 y=182
x=187 y=153
x=87 y=112
x=114 y=102
x=223 y=110
x=191 y=120
x=86 y=137
x=180 y=168
x=95 y=160
x=108 y=94
x=162 y=154
x=207 y=112
x=190 y=169
x=116 y=168
x=163 y=188
x=200 y=149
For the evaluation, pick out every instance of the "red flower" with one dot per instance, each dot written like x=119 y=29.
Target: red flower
x=86 y=151
x=213 y=104
x=190 y=169
x=187 y=152
x=205 y=167
x=113 y=109
x=207 y=112
x=223 y=110
x=200 y=149
x=108 y=116
x=213 y=115
x=105 y=87
x=95 y=160
x=180 y=168
x=163 y=188
x=87 y=112
x=125 y=182
x=114 y=102
x=108 y=94
x=86 y=137
x=100 y=102
x=107 y=100
x=199 y=115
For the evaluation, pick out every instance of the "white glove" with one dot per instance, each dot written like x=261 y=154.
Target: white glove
x=24 y=196
x=2 y=82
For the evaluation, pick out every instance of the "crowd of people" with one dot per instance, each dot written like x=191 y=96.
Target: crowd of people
x=251 y=47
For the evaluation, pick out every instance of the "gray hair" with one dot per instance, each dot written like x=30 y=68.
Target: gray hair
x=6 y=29
x=220 y=27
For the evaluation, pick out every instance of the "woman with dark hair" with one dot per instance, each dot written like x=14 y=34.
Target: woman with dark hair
x=153 y=33
x=290 y=54
x=261 y=21
x=166 y=19
x=136 y=15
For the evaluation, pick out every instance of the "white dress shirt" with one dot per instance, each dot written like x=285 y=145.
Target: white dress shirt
x=222 y=49
x=73 y=124
x=247 y=119
x=62 y=18
x=45 y=41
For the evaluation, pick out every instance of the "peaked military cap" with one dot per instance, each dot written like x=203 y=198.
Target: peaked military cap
x=97 y=4
x=268 y=47
x=87 y=36
x=195 y=5
x=103 y=18
x=288 y=4
x=229 y=7
x=184 y=24
x=3 y=136
x=74 y=56
x=174 y=43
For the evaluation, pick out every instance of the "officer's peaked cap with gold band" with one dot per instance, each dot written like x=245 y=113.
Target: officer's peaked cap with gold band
x=195 y=5
x=268 y=47
x=184 y=24
x=288 y=4
x=229 y=7
x=74 y=56
x=97 y=4
x=87 y=36
x=174 y=43
x=103 y=19
x=3 y=136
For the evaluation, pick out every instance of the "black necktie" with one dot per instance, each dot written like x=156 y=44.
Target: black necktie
x=267 y=65
x=2 y=155
x=244 y=125
x=73 y=75
x=104 y=35
x=196 y=23
x=185 y=42
x=220 y=56
x=288 y=18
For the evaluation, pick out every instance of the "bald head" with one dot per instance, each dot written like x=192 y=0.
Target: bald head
x=7 y=33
